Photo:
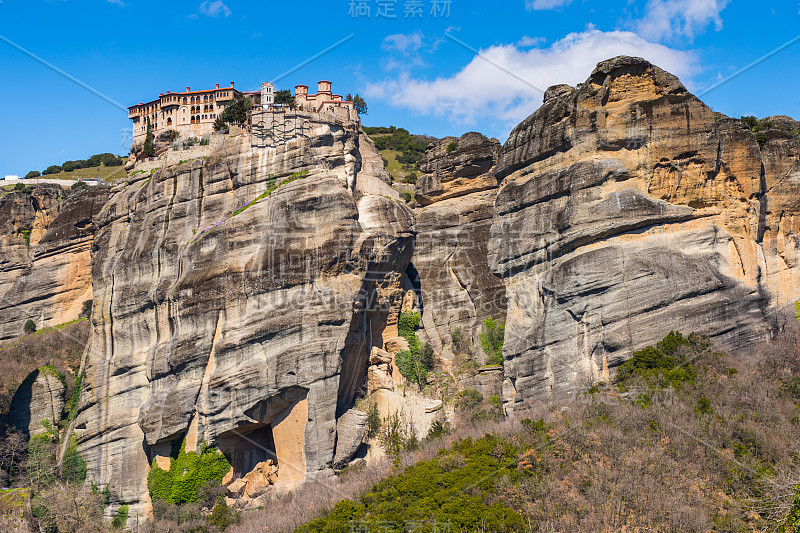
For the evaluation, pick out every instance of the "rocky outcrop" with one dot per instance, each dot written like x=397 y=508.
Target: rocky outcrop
x=451 y=272
x=628 y=209
x=38 y=402
x=45 y=271
x=237 y=299
x=349 y=433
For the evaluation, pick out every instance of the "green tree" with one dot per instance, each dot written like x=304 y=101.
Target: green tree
x=32 y=174
x=52 y=169
x=235 y=112
x=149 y=148
x=121 y=518
x=492 y=339
x=284 y=97
x=29 y=326
x=359 y=104
x=86 y=310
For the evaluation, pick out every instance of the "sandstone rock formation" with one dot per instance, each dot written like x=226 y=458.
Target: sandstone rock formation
x=452 y=275
x=237 y=299
x=39 y=401
x=628 y=209
x=47 y=278
x=248 y=296
x=349 y=435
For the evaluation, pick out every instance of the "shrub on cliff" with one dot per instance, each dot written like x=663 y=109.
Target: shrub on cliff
x=410 y=362
x=492 y=339
x=29 y=326
x=187 y=475
x=32 y=174
x=669 y=362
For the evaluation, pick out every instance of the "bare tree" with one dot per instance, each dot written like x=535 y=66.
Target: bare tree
x=12 y=453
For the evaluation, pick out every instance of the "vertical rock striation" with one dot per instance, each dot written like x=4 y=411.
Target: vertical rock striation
x=237 y=298
x=457 y=192
x=47 y=278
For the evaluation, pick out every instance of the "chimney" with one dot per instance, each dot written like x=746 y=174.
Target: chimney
x=218 y=86
x=188 y=89
x=231 y=84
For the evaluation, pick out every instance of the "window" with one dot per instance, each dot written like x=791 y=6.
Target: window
x=205 y=98
x=169 y=122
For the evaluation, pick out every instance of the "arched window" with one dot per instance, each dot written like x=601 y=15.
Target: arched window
x=185 y=101
x=205 y=98
x=169 y=122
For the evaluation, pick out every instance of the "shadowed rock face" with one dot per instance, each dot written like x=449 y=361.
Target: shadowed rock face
x=48 y=278
x=628 y=209
x=38 y=400
x=209 y=325
x=457 y=288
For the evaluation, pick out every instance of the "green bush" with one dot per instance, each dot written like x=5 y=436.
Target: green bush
x=52 y=169
x=26 y=236
x=121 y=518
x=664 y=363
x=73 y=467
x=187 y=475
x=407 y=197
x=411 y=177
x=32 y=174
x=75 y=397
x=409 y=361
x=452 y=147
x=29 y=326
x=492 y=339
x=373 y=421
x=86 y=309
x=223 y=516
x=454 y=489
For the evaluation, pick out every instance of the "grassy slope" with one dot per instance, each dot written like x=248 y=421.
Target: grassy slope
x=59 y=346
x=708 y=449
x=105 y=173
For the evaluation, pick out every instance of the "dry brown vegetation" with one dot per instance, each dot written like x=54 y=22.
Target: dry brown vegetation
x=60 y=347
x=717 y=454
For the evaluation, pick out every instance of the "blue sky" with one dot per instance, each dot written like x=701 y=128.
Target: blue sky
x=411 y=74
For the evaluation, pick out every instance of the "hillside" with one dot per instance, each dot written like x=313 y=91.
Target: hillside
x=694 y=439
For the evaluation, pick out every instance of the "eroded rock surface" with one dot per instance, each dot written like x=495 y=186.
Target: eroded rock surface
x=38 y=402
x=628 y=209
x=450 y=267
x=45 y=269
x=248 y=328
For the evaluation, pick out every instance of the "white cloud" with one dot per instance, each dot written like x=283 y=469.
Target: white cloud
x=118 y=2
x=481 y=90
x=404 y=42
x=528 y=42
x=668 y=19
x=214 y=9
x=541 y=5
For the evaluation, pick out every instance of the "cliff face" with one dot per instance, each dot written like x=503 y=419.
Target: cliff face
x=628 y=209
x=45 y=272
x=247 y=296
x=249 y=328
x=457 y=192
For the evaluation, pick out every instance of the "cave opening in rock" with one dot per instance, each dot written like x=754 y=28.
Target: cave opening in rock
x=247 y=446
